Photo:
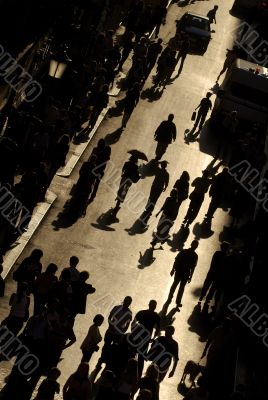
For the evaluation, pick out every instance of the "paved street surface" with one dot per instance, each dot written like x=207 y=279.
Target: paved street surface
x=112 y=255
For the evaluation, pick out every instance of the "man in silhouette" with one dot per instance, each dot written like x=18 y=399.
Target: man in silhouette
x=119 y=320
x=184 y=50
x=159 y=186
x=201 y=185
x=183 y=269
x=165 y=134
x=212 y=14
x=170 y=346
x=217 y=192
x=203 y=109
x=146 y=321
x=215 y=273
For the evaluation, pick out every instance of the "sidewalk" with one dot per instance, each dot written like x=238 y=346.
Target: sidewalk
x=42 y=209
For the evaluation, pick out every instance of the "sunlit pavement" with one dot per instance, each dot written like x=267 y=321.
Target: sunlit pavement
x=112 y=256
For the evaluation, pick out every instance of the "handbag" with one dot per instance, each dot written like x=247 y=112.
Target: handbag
x=193 y=116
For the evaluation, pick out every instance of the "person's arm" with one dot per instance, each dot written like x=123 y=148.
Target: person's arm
x=198 y=106
x=192 y=270
x=72 y=340
x=157 y=328
x=174 y=133
x=166 y=182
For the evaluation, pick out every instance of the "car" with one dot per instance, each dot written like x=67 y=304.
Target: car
x=197 y=27
x=248 y=8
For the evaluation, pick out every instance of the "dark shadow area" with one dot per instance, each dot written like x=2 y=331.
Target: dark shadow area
x=200 y=322
x=138 y=227
x=117 y=110
x=179 y=238
x=152 y=94
x=107 y=219
x=167 y=318
x=203 y=230
x=113 y=137
x=149 y=169
x=146 y=259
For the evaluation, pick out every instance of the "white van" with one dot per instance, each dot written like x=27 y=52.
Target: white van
x=245 y=90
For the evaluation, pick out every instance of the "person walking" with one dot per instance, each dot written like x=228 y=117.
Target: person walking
x=159 y=186
x=19 y=311
x=203 y=108
x=165 y=134
x=147 y=320
x=171 y=348
x=231 y=56
x=78 y=385
x=151 y=381
x=183 y=269
x=201 y=185
x=119 y=321
x=154 y=50
x=169 y=214
x=184 y=50
x=216 y=272
x=130 y=102
x=218 y=191
x=212 y=14
x=130 y=175
x=90 y=344
x=182 y=186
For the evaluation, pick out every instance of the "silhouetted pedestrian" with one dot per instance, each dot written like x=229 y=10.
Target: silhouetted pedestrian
x=130 y=175
x=90 y=344
x=149 y=320
x=201 y=185
x=172 y=353
x=184 y=50
x=183 y=269
x=214 y=278
x=169 y=214
x=119 y=320
x=212 y=14
x=154 y=50
x=78 y=385
x=203 y=109
x=218 y=191
x=165 y=134
x=130 y=102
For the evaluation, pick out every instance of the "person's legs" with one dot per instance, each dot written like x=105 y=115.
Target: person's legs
x=202 y=120
x=181 y=291
x=205 y=287
x=211 y=292
x=173 y=288
x=160 y=150
x=87 y=354
x=212 y=207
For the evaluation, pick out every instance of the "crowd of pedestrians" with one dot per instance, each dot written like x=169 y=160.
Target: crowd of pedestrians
x=35 y=145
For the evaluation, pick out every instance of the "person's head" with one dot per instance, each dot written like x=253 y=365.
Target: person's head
x=152 y=305
x=173 y=193
x=22 y=288
x=82 y=371
x=160 y=41
x=164 y=164
x=127 y=301
x=153 y=372
x=133 y=158
x=101 y=144
x=194 y=244
x=208 y=95
x=225 y=171
x=170 y=117
x=54 y=374
x=225 y=247
x=83 y=276
x=145 y=394
x=169 y=331
x=74 y=261
x=98 y=319
x=185 y=176
x=51 y=269
x=65 y=275
x=216 y=7
x=36 y=254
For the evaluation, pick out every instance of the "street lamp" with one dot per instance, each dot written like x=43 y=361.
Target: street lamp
x=58 y=64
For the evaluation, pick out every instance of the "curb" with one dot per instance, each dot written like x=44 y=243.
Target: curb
x=14 y=253
x=81 y=148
